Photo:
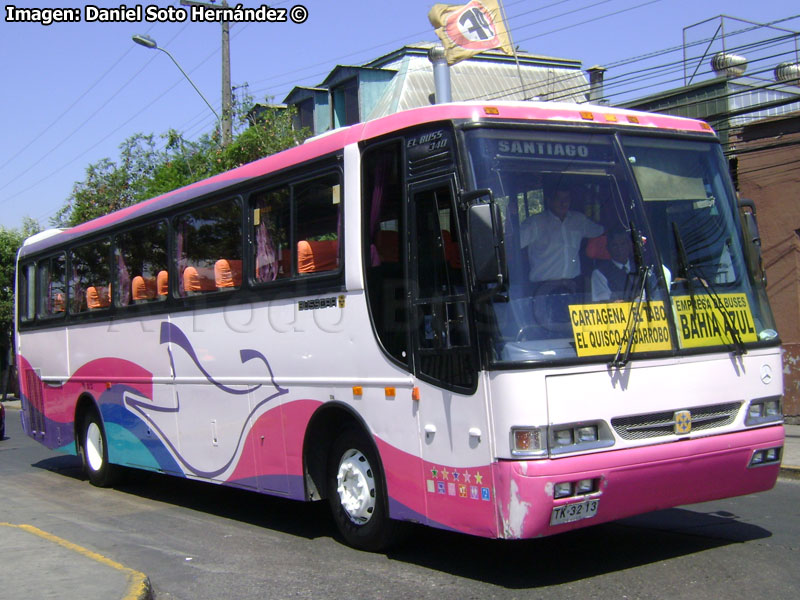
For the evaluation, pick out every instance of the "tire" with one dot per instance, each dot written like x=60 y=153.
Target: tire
x=94 y=452
x=357 y=493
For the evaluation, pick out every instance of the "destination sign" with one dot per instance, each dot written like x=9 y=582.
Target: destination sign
x=700 y=319
x=552 y=149
x=602 y=328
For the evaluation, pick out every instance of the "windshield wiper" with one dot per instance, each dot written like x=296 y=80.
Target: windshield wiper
x=685 y=268
x=639 y=283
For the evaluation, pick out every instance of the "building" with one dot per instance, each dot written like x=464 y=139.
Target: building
x=767 y=153
x=404 y=79
x=757 y=118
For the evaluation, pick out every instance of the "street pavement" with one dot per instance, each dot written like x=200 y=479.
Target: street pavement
x=37 y=564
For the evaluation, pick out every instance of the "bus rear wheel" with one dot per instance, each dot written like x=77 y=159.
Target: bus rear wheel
x=357 y=493
x=94 y=452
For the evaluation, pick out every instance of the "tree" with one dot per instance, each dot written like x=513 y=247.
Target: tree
x=143 y=172
x=10 y=241
x=111 y=185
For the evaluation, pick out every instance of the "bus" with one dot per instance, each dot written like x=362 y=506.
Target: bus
x=358 y=319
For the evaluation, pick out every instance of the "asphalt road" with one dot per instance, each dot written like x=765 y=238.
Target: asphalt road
x=198 y=541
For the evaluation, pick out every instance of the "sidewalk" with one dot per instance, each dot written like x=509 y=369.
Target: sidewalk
x=790 y=466
x=38 y=564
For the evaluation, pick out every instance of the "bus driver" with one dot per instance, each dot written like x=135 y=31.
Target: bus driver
x=553 y=239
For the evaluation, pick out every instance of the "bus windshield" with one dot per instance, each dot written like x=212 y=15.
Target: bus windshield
x=616 y=246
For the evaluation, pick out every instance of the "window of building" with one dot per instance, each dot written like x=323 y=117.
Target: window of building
x=305 y=115
x=345 y=103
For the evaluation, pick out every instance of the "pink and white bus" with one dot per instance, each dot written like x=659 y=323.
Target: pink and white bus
x=383 y=317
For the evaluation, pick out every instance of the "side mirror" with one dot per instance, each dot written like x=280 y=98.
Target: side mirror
x=752 y=239
x=485 y=225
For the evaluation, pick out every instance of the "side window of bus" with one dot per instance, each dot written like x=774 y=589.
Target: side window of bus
x=209 y=249
x=27 y=292
x=141 y=260
x=318 y=221
x=51 y=286
x=90 y=277
x=384 y=226
x=272 y=252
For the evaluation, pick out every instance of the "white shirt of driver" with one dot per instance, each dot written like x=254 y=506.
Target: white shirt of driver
x=553 y=245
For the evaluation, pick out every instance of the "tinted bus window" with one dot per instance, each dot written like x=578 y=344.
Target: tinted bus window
x=317 y=205
x=27 y=291
x=141 y=259
x=51 y=286
x=90 y=277
x=272 y=250
x=209 y=249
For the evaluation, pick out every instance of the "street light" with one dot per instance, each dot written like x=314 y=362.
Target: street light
x=148 y=42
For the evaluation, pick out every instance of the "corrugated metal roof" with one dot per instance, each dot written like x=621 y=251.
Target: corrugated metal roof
x=414 y=85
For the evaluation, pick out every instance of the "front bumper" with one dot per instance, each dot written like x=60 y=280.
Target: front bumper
x=634 y=481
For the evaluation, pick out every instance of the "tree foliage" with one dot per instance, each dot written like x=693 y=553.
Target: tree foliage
x=10 y=241
x=144 y=171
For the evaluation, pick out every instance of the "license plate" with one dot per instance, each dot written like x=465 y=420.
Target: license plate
x=576 y=511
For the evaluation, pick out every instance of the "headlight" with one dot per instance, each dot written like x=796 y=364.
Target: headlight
x=580 y=436
x=540 y=442
x=586 y=434
x=563 y=437
x=762 y=411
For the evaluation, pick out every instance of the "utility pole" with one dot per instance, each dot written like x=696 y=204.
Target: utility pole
x=227 y=95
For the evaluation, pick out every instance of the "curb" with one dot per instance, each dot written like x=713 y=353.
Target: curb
x=139 y=587
x=790 y=472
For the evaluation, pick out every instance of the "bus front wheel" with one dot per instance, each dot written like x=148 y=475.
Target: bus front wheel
x=94 y=452
x=357 y=493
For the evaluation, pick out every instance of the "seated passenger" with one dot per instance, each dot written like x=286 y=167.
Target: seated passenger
x=611 y=279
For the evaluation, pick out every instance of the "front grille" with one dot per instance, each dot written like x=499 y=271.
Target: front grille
x=640 y=427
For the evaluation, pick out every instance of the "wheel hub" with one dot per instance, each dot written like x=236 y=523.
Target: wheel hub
x=356 y=487
x=94 y=447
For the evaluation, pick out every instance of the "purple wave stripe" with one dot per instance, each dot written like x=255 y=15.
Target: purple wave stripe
x=172 y=333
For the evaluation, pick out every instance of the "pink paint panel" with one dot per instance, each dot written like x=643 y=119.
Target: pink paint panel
x=446 y=497
x=58 y=402
x=277 y=439
x=635 y=481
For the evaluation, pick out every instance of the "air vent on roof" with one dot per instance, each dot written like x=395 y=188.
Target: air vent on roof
x=788 y=72
x=729 y=65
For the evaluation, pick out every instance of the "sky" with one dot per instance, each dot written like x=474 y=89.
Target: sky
x=72 y=92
